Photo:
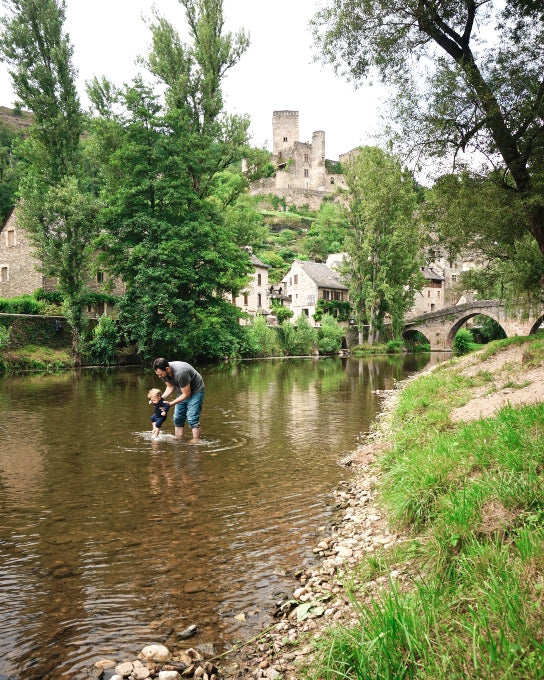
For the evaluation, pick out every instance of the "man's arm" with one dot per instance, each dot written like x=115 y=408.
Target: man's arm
x=168 y=390
x=185 y=394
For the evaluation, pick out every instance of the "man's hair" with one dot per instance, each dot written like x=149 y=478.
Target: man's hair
x=161 y=364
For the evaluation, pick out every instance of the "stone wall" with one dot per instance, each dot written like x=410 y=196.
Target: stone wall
x=18 y=267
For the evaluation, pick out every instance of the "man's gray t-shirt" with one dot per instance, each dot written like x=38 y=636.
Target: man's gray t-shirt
x=184 y=374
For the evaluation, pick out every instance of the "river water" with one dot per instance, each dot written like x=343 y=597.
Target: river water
x=110 y=541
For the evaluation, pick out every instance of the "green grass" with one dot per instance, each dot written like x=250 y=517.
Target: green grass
x=35 y=358
x=471 y=495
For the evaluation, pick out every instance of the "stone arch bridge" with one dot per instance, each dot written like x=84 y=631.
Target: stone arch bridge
x=441 y=326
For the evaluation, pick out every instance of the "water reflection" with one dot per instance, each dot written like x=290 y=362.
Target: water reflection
x=110 y=541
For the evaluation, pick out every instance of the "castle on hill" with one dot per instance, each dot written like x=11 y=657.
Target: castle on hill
x=303 y=174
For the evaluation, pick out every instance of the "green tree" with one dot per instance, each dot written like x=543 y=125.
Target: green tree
x=470 y=78
x=9 y=169
x=168 y=176
x=326 y=235
x=56 y=210
x=382 y=270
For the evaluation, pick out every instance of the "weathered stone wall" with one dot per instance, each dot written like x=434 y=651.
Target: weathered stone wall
x=18 y=267
x=285 y=132
x=257 y=295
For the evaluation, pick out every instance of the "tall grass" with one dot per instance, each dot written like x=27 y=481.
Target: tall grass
x=472 y=496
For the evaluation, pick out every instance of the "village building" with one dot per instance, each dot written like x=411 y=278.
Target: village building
x=253 y=299
x=20 y=270
x=303 y=175
x=431 y=297
x=307 y=282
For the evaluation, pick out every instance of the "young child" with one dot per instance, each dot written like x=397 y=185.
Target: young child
x=161 y=409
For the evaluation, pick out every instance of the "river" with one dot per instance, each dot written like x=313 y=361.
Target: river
x=110 y=541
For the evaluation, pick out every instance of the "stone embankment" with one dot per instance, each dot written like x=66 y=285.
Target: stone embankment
x=322 y=599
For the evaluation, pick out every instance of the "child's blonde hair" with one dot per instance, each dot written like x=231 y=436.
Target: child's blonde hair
x=154 y=392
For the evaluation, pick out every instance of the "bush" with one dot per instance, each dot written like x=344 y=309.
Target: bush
x=298 y=340
x=394 y=347
x=262 y=340
x=330 y=335
x=24 y=304
x=463 y=341
x=101 y=349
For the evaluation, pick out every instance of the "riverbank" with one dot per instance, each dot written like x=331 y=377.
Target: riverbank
x=420 y=579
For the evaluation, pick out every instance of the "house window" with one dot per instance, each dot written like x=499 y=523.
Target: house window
x=432 y=306
x=296 y=279
x=305 y=172
x=285 y=139
x=246 y=299
x=258 y=279
x=305 y=157
x=337 y=295
x=428 y=293
x=306 y=311
x=233 y=298
x=326 y=294
x=259 y=300
x=100 y=277
x=453 y=278
x=99 y=308
x=11 y=238
x=3 y=274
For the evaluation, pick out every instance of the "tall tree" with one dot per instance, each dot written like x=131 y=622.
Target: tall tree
x=163 y=174
x=382 y=241
x=470 y=76
x=54 y=209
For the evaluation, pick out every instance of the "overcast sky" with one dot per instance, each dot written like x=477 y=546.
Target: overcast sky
x=277 y=72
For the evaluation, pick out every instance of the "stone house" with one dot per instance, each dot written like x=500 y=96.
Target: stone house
x=20 y=275
x=254 y=299
x=301 y=175
x=432 y=296
x=307 y=282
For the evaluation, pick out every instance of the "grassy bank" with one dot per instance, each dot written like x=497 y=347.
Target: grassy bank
x=469 y=496
x=35 y=358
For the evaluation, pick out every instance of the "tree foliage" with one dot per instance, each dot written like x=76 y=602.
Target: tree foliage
x=56 y=209
x=169 y=177
x=470 y=77
x=382 y=243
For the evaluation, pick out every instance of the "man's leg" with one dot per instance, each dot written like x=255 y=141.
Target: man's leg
x=180 y=413
x=194 y=408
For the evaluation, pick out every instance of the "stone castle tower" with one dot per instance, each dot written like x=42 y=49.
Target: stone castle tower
x=301 y=174
x=284 y=132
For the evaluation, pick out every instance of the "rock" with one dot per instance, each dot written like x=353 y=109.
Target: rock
x=169 y=675
x=124 y=669
x=141 y=673
x=188 y=632
x=105 y=664
x=158 y=653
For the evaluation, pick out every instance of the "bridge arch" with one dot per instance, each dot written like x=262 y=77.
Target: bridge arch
x=441 y=326
x=463 y=319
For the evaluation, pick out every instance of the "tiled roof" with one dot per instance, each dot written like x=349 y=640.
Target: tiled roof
x=321 y=275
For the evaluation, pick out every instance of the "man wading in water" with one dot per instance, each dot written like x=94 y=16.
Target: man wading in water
x=181 y=376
